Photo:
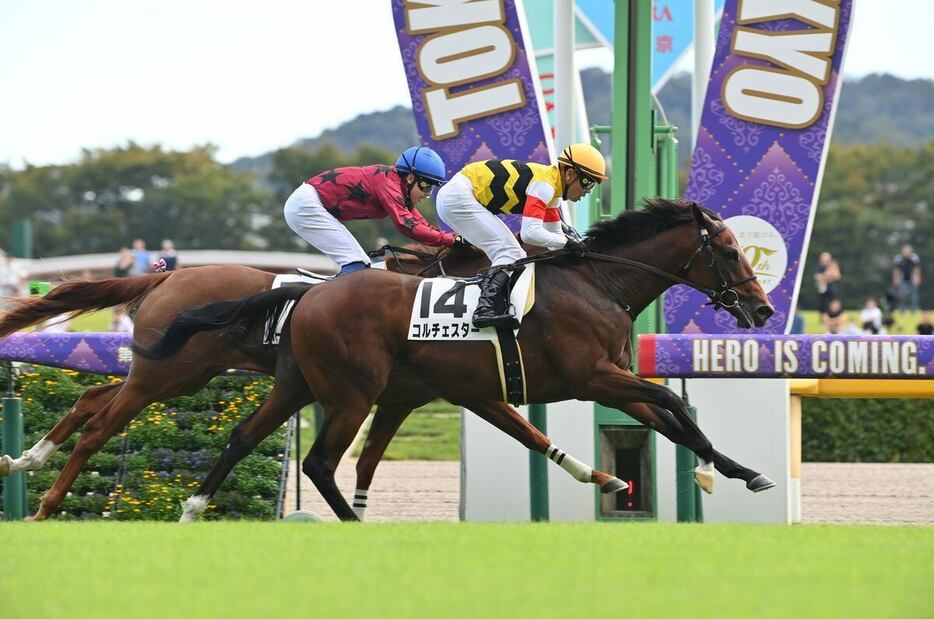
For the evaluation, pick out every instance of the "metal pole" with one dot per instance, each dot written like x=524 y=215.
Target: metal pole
x=619 y=112
x=22 y=238
x=703 y=59
x=14 y=486
x=565 y=84
x=688 y=496
x=538 y=468
x=298 y=459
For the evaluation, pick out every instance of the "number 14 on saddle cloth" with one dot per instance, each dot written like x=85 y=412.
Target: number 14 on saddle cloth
x=444 y=307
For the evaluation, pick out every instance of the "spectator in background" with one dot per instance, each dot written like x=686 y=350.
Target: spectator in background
x=848 y=327
x=834 y=318
x=141 y=263
x=124 y=266
x=906 y=276
x=168 y=254
x=121 y=322
x=926 y=328
x=826 y=277
x=12 y=277
x=871 y=317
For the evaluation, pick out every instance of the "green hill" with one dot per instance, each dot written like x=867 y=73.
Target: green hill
x=873 y=109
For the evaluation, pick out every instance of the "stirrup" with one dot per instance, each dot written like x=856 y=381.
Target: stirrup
x=497 y=320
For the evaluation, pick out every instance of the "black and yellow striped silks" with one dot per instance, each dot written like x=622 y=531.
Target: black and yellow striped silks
x=501 y=184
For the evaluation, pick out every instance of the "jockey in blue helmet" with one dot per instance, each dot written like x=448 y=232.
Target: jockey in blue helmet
x=314 y=210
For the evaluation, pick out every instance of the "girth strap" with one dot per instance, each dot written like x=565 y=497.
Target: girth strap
x=513 y=375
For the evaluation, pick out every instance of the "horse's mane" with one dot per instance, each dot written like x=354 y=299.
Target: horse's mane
x=629 y=227
x=454 y=255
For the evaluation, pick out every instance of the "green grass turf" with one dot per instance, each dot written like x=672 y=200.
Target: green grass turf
x=431 y=432
x=95 y=321
x=638 y=570
x=905 y=322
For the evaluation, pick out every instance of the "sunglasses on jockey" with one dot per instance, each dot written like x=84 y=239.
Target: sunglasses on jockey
x=586 y=181
x=426 y=185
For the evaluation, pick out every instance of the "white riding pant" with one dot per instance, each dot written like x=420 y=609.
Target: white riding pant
x=459 y=209
x=310 y=220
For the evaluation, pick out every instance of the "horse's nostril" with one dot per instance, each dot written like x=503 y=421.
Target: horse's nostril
x=765 y=311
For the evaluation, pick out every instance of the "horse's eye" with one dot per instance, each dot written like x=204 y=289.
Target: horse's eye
x=732 y=255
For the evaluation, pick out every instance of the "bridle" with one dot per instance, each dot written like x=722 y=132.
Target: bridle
x=724 y=296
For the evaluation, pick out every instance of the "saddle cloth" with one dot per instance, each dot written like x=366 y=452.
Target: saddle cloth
x=277 y=318
x=444 y=307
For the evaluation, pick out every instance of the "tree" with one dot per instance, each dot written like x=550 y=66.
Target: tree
x=110 y=197
x=873 y=199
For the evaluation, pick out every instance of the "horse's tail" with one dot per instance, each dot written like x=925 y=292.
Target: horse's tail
x=76 y=298
x=247 y=312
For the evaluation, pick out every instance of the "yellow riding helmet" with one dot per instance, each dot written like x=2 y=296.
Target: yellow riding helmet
x=585 y=158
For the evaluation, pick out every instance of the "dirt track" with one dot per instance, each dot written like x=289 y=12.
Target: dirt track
x=831 y=493
x=867 y=493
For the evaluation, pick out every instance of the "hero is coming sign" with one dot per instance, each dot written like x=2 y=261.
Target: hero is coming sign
x=473 y=92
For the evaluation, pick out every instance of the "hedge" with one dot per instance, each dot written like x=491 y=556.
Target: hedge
x=873 y=430
x=146 y=471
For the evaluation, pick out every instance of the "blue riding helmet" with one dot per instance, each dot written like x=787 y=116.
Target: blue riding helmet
x=423 y=163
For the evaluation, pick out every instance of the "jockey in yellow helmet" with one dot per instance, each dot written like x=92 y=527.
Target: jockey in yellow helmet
x=470 y=201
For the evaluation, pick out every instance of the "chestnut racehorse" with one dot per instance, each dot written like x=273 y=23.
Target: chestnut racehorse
x=158 y=298
x=349 y=338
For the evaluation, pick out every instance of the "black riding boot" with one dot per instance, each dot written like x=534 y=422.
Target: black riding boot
x=493 y=306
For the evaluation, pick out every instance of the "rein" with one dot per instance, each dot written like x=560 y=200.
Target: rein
x=394 y=251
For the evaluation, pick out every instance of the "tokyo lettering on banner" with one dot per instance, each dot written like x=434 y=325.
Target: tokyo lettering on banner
x=761 y=146
x=474 y=92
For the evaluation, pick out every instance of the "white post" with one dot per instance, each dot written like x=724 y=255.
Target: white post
x=565 y=82
x=703 y=59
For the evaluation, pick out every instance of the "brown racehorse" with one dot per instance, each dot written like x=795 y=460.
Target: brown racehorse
x=349 y=338
x=159 y=297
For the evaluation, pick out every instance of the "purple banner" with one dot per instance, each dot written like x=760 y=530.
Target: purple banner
x=786 y=356
x=474 y=94
x=764 y=134
x=100 y=353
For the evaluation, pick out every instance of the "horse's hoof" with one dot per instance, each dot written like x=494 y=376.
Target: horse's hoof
x=613 y=486
x=6 y=465
x=703 y=475
x=760 y=483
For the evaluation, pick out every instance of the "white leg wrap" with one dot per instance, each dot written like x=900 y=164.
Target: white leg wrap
x=193 y=508
x=578 y=470
x=359 y=503
x=33 y=459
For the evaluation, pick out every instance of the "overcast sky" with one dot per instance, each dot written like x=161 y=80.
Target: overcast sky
x=253 y=75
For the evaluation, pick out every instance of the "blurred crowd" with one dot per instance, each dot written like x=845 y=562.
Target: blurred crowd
x=139 y=260
x=135 y=261
x=878 y=313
